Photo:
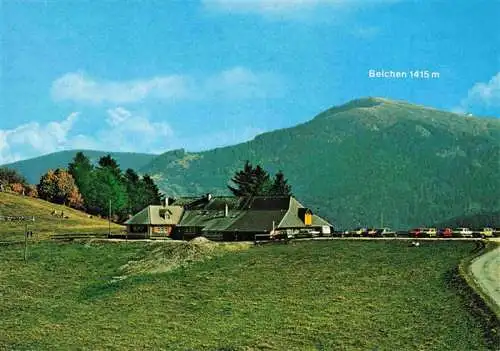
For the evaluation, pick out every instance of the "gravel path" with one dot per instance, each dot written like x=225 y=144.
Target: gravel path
x=486 y=272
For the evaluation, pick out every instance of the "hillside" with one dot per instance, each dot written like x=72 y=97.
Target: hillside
x=45 y=223
x=34 y=168
x=369 y=162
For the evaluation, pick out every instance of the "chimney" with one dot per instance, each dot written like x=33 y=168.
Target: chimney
x=166 y=201
x=226 y=211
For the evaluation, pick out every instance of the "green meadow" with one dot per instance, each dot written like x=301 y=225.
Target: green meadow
x=336 y=295
x=45 y=223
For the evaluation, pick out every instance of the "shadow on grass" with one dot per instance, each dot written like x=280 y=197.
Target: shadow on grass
x=109 y=286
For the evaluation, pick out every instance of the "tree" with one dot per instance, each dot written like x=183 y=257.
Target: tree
x=11 y=176
x=250 y=181
x=243 y=180
x=261 y=181
x=17 y=188
x=59 y=187
x=111 y=164
x=153 y=195
x=46 y=188
x=280 y=186
x=107 y=187
x=31 y=191
x=81 y=170
x=135 y=190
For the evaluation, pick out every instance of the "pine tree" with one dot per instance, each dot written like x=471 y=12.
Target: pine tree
x=153 y=195
x=261 y=181
x=136 y=192
x=111 y=164
x=250 y=181
x=243 y=181
x=81 y=169
x=280 y=186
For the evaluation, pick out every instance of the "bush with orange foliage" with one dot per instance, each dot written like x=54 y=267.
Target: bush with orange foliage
x=17 y=188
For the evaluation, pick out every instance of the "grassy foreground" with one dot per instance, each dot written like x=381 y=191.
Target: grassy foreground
x=45 y=224
x=338 y=295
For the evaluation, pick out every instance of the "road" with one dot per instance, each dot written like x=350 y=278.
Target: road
x=486 y=272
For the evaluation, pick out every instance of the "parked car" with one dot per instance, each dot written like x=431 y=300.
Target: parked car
x=430 y=232
x=463 y=232
x=446 y=233
x=359 y=232
x=371 y=232
x=487 y=232
x=417 y=232
x=386 y=232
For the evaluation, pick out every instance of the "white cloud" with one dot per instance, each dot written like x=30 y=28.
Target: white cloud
x=482 y=95
x=124 y=131
x=117 y=116
x=80 y=87
x=234 y=83
x=32 y=139
x=131 y=132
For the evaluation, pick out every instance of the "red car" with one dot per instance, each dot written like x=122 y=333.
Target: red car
x=446 y=233
x=417 y=232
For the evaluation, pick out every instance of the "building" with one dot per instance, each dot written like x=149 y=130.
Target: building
x=232 y=218
x=155 y=220
x=226 y=218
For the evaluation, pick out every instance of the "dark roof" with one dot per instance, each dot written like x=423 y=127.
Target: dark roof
x=220 y=202
x=268 y=203
x=258 y=220
x=246 y=215
x=209 y=219
x=182 y=201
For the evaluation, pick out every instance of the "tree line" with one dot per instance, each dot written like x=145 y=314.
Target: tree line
x=91 y=188
x=104 y=183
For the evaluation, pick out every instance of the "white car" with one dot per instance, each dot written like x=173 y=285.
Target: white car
x=463 y=232
x=387 y=232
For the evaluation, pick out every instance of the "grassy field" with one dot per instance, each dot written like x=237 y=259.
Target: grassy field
x=45 y=224
x=339 y=295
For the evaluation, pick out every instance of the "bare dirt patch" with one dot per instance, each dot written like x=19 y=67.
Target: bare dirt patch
x=166 y=256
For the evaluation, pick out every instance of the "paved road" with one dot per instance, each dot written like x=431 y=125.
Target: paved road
x=486 y=272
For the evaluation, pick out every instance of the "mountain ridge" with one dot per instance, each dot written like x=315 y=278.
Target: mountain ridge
x=368 y=161
x=356 y=143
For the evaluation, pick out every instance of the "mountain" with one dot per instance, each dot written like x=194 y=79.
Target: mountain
x=369 y=162
x=34 y=168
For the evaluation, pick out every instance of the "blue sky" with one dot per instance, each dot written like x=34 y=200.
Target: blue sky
x=150 y=76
